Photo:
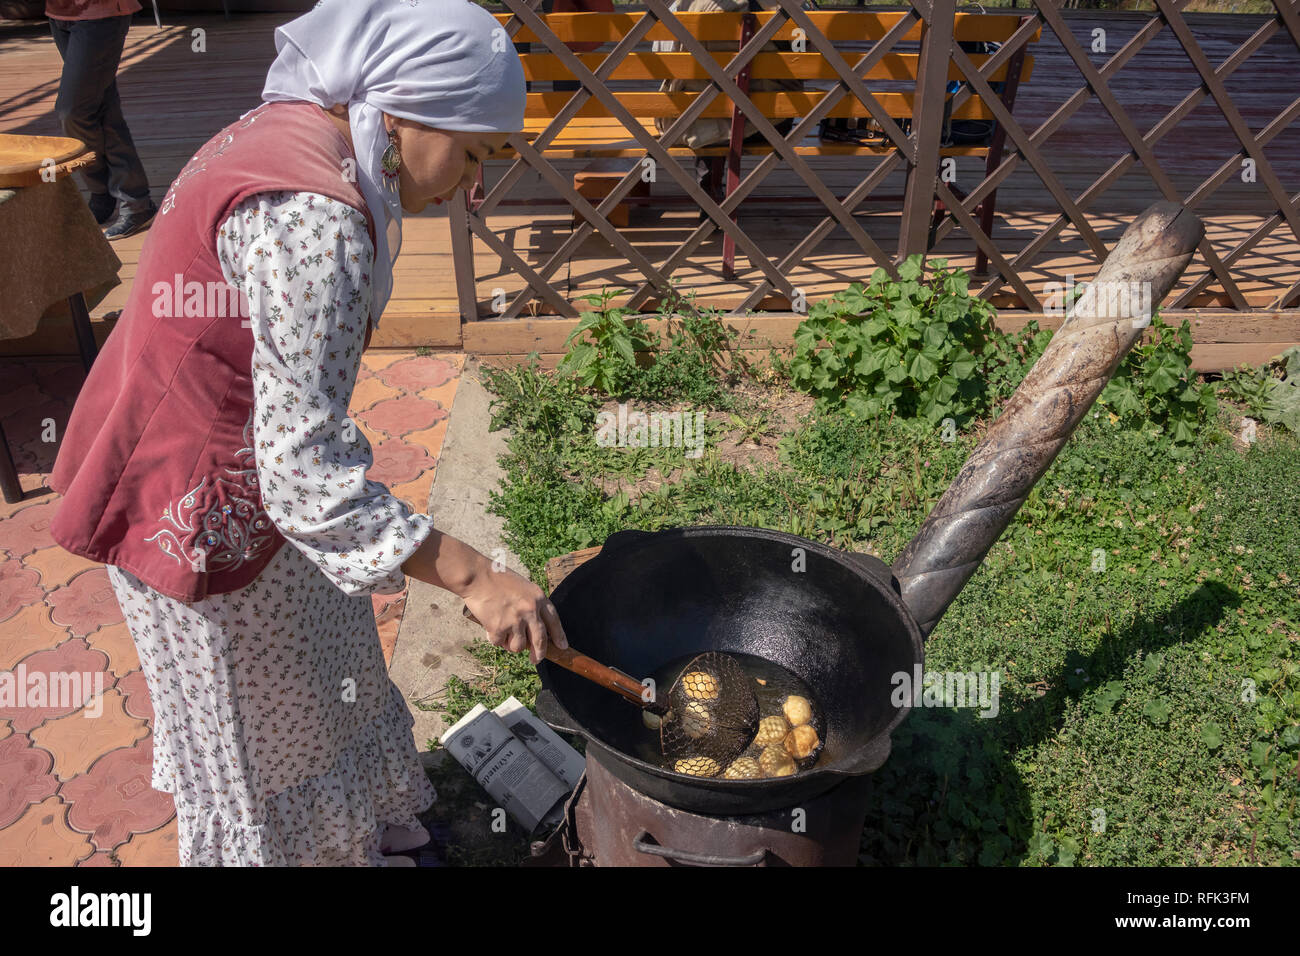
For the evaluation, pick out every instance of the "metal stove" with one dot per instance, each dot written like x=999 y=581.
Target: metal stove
x=608 y=823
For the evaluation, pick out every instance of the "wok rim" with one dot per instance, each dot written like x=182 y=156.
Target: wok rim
x=815 y=774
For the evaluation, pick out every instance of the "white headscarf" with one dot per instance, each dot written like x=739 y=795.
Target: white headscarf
x=445 y=63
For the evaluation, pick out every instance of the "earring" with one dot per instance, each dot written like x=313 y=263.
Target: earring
x=391 y=162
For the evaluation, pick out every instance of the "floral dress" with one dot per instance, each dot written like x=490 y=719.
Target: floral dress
x=277 y=728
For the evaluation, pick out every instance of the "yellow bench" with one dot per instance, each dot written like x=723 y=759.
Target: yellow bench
x=594 y=132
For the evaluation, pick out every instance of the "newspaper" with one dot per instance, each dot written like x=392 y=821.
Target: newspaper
x=526 y=771
x=561 y=759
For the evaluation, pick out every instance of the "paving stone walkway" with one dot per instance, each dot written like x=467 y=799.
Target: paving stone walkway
x=75 y=791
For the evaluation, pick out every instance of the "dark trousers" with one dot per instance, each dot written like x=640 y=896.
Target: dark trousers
x=90 y=109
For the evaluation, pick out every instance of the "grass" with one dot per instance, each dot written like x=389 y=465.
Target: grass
x=1150 y=708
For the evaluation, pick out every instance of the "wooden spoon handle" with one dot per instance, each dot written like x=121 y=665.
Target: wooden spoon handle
x=592 y=670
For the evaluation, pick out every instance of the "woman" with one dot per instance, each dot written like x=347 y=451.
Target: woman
x=211 y=464
x=90 y=36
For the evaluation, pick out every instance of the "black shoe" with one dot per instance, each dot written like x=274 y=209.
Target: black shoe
x=102 y=207
x=129 y=223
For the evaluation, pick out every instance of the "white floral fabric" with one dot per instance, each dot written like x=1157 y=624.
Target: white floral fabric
x=303 y=261
x=277 y=728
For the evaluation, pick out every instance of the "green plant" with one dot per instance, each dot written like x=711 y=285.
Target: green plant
x=1270 y=395
x=1156 y=384
x=1283 y=407
x=913 y=346
x=543 y=406
x=607 y=362
x=692 y=366
x=752 y=426
x=1009 y=356
x=1160 y=686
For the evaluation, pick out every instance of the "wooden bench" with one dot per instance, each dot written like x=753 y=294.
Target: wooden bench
x=595 y=133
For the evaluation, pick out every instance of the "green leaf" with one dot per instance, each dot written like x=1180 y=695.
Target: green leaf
x=860 y=406
x=963 y=364
x=936 y=334
x=623 y=346
x=1069 y=851
x=922 y=368
x=1107 y=696
x=1162 y=378
x=869 y=364
x=581 y=356
x=910 y=269
x=1212 y=736
x=876 y=326
x=1156 y=711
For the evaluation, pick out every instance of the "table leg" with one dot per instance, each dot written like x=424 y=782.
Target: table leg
x=9 y=486
x=81 y=325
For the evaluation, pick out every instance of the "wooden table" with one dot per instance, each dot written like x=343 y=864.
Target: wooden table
x=51 y=250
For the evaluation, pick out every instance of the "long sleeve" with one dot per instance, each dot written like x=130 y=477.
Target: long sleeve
x=303 y=261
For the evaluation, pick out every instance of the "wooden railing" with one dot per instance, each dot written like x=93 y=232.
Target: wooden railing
x=1215 y=277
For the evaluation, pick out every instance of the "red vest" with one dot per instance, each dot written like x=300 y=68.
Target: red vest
x=157 y=467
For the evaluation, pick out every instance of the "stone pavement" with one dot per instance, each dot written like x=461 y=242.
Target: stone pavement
x=76 y=791
x=435 y=635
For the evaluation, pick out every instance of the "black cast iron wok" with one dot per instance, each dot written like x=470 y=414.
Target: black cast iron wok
x=843 y=623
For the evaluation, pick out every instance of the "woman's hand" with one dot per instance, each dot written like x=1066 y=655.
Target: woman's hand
x=515 y=612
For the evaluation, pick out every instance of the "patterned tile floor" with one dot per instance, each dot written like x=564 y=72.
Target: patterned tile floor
x=76 y=791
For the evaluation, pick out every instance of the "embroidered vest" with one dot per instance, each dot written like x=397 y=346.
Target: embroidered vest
x=157 y=467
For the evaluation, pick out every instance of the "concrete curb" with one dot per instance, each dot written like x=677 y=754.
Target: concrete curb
x=433 y=638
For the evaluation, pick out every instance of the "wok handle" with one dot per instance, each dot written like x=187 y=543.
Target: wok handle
x=593 y=670
x=1044 y=411
x=555 y=714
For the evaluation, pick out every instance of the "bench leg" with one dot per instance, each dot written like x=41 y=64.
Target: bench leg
x=81 y=326
x=708 y=176
x=462 y=256
x=987 y=207
x=986 y=224
x=9 y=485
x=726 y=179
x=936 y=217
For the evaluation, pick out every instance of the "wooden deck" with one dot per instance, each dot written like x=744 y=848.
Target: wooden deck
x=175 y=99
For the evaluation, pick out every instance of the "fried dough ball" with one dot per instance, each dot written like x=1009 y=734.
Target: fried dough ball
x=697 y=766
x=700 y=685
x=651 y=719
x=771 y=730
x=797 y=710
x=775 y=762
x=802 y=742
x=743 y=768
x=696 y=721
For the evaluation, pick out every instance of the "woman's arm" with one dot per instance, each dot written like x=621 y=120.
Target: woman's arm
x=515 y=612
x=303 y=261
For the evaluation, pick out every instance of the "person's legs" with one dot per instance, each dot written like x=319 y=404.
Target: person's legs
x=90 y=108
x=75 y=122
x=395 y=839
